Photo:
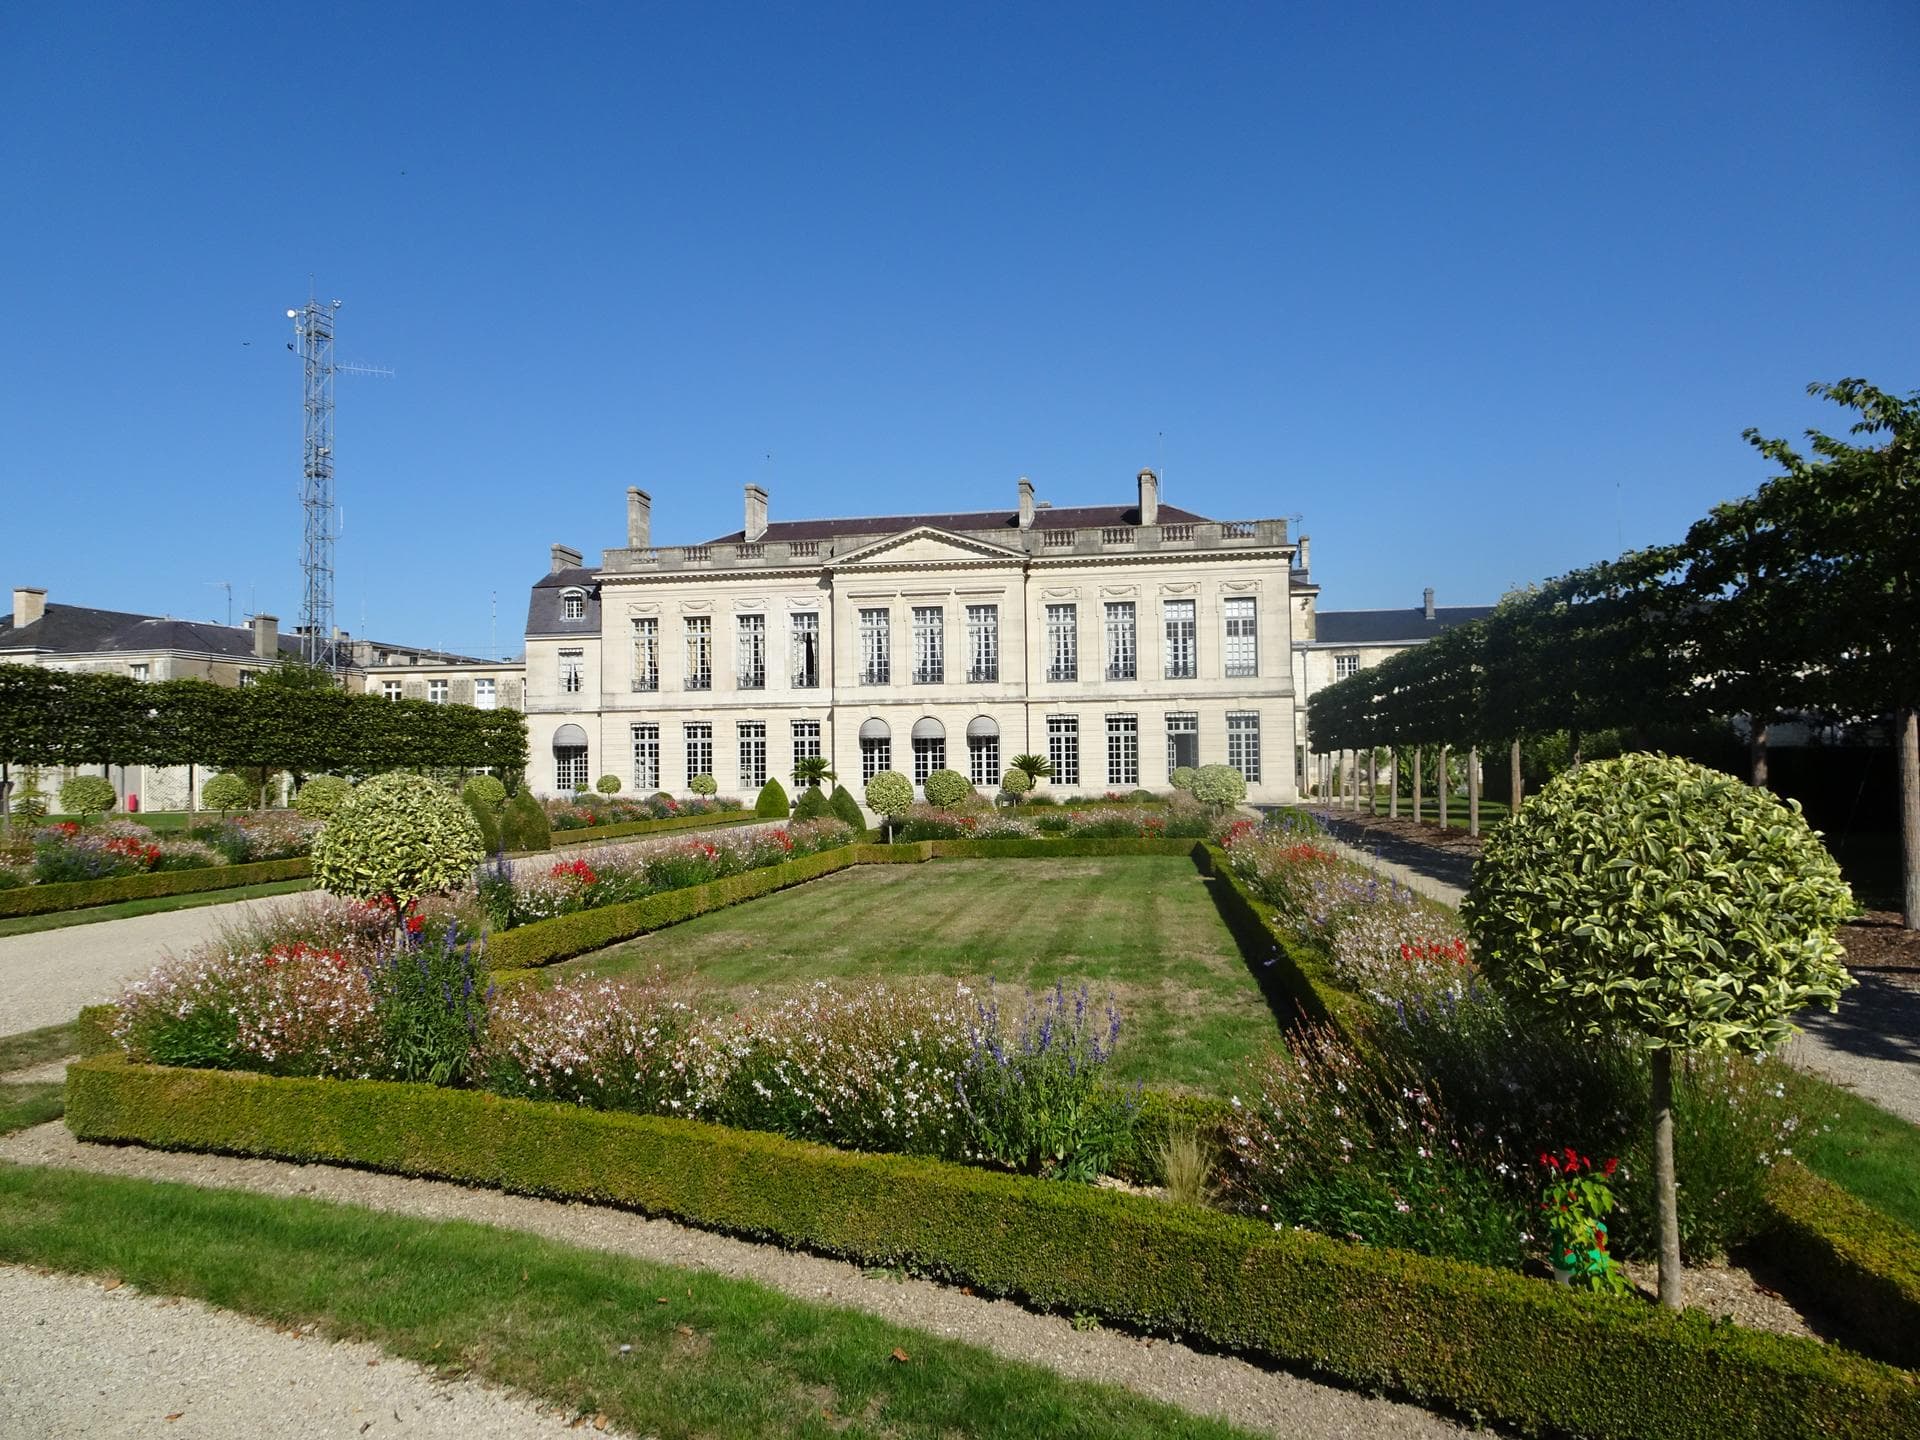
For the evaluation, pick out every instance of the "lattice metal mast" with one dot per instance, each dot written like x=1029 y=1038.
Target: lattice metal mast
x=313 y=338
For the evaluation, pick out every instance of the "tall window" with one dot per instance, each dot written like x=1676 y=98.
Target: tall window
x=1243 y=644
x=875 y=756
x=700 y=654
x=569 y=768
x=983 y=759
x=929 y=645
x=646 y=759
x=1243 y=743
x=1123 y=750
x=983 y=642
x=1345 y=665
x=646 y=653
x=699 y=750
x=486 y=693
x=1181 y=664
x=1120 y=640
x=571 y=664
x=750 y=650
x=929 y=755
x=806 y=649
x=1183 y=742
x=437 y=692
x=876 y=647
x=806 y=739
x=753 y=753
x=573 y=605
x=1063 y=748
x=390 y=689
x=1063 y=645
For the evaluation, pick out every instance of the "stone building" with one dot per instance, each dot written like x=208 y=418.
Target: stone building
x=1118 y=640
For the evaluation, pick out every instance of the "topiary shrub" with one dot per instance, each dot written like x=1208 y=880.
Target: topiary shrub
x=396 y=838
x=1016 y=783
x=1220 y=786
x=485 y=789
x=1142 y=797
x=1657 y=900
x=486 y=820
x=947 y=788
x=1183 y=777
x=321 y=796
x=812 y=804
x=660 y=797
x=85 y=795
x=889 y=793
x=524 y=824
x=703 y=785
x=845 y=808
x=227 y=791
x=772 y=803
x=608 y=784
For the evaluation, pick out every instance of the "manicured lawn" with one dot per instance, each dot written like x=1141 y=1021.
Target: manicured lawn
x=1866 y=1151
x=61 y=919
x=1143 y=928
x=22 y=1106
x=33 y=1047
x=709 y=1355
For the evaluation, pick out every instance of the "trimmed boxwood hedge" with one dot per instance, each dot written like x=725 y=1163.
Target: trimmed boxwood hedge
x=79 y=894
x=652 y=827
x=1864 y=1266
x=1482 y=1341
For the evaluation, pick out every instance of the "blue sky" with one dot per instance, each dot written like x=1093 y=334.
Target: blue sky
x=1479 y=291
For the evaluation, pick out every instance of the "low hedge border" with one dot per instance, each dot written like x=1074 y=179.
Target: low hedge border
x=80 y=894
x=1479 y=1341
x=1864 y=1266
x=624 y=828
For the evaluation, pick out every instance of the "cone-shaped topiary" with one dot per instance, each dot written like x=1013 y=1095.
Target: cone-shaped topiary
x=396 y=838
x=1656 y=898
x=812 y=804
x=486 y=819
x=87 y=795
x=524 y=824
x=846 y=808
x=227 y=791
x=1220 y=786
x=321 y=796
x=946 y=788
x=772 y=803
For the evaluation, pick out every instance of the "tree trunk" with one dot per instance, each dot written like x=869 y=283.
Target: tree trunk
x=191 y=805
x=1442 y=783
x=1517 y=779
x=1665 y=1192
x=1907 y=742
x=1473 y=790
x=1760 y=755
x=1393 y=783
x=1373 y=781
x=1416 y=784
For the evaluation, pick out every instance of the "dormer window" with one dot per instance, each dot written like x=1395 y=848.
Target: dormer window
x=573 y=604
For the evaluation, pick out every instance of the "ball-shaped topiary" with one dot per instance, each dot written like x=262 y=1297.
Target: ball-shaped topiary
x=1016 y=783
x=1182 y=777
x=890 y=794
x=847 y=809
x=227 y=791
x=703 y=785
x=1655 y=898
x=396 y=838
x=608 y=784
x=485 y=790
x=87 y=795
x=1220 y=786
x=772 y=802
x=946 y=788
x=321 y=796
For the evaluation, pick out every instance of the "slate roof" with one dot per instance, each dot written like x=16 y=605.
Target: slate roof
x=80 y=630
x=543 y=605
x=1391 y=627
x=1071 y=517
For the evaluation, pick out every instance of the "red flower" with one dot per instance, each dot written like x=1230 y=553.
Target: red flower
x=1613 y=1163
x=415 y=923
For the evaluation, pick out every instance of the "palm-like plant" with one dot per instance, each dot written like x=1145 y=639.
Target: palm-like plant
x=1035 y=767
x=812 y=770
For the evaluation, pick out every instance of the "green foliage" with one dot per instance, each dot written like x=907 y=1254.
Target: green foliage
x=431 y=1002
x=487 y=790
x=228 y=791
x=703 y=785
x=946 y=788
x=85 y=795
x=1220 y=786
x=1034 y=767
x=812 y=771
x=1660 y=899
x=321 y=796
x=397 y=838
x=1183 y=777
x=812 y=805
x=608 y=784
x=486 y=820
x=847 y=809
x=83 y=894
x=1501 y=1346
x=1016 y=782
x=524 y=824
x=889 y=793
x=772 y=804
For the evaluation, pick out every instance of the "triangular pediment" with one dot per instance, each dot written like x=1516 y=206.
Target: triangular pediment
x=925 y=545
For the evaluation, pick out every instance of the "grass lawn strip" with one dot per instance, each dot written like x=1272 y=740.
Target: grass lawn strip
x=1144 y=928
x=61 y=919
x=709 y=1355
x=35 y=1047
x=35 y=1103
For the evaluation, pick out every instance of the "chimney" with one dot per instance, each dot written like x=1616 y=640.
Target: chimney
x=639 y=518
x=1429 y=602
x=1306 y=554
x=562 y=558
x=1149 y=498
x=756 y=513
x=1026 y=503
x=266 y=637
x=29 y=604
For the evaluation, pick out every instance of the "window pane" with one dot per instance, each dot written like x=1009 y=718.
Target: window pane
x=1123 y=750
x=1242 y=647
x=806 y=650
x=753 y=753
x=875 y=756
x=1243 y=743
x=751 y=651
x=983 y=642
x=983 y=759
x=929 y=645
x=1063 y=748
x=699 y=750
x=570 y=671
x=1120 y=640
x=699 y=654
x=646 y=759
x=1063 y=649
x=806 y=739
x=928 y=756
x=1183 y=742
x=875 y=645
x=646 y=654
x=1180 y=644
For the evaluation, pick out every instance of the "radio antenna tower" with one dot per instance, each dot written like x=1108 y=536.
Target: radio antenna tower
x=313 y=341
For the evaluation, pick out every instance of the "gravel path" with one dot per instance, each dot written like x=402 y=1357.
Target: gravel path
x=46 y=978
x=78 y=1359
x=1266 y=1401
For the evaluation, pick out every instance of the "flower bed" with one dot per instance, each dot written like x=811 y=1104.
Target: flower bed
x=1174 y=821
x=707 y=821
x=587 y=812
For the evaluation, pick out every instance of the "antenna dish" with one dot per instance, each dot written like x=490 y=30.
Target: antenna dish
x=293 y=314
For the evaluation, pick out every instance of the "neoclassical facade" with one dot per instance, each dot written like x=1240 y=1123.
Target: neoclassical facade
x=1119 y=641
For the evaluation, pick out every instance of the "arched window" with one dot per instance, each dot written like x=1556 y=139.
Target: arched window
x=929 y=748
x=573 y=604
x=876 y=748
x=569 y=759
x=983 y=750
